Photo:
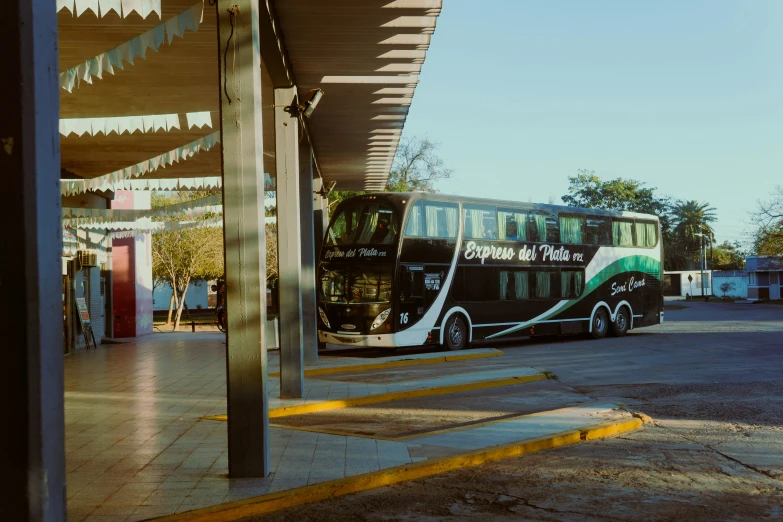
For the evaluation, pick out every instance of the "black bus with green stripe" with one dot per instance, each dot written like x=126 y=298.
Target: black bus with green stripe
x=408 y=269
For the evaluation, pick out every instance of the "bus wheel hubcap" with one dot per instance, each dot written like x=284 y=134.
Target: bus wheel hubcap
x=621 y=321
x=598 y=323
x=455 y=334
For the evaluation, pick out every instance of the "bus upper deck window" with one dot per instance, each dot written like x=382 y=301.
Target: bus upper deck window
x=432 y=219
x=572 y=229
x=480 y=222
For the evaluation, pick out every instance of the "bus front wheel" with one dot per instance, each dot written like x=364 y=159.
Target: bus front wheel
x=600 y=324
x=621 y=322
x=456 y=335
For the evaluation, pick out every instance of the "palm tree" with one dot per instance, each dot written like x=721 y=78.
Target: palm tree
x=692 y=218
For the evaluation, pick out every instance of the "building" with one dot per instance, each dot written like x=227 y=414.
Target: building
x=112 y=92
x=765 y=276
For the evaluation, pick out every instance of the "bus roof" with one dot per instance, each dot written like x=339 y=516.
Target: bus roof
x=506 y=203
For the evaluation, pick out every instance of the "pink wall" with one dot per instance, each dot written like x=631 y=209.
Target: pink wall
x=132 y=274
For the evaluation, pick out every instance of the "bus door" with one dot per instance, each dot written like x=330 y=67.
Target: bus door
x=419 y=287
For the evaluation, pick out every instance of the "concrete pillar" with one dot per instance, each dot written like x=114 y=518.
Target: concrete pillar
x=321 y=216
x=244 y=236
x=31 y=312
x=289 y=246
x=309 y=312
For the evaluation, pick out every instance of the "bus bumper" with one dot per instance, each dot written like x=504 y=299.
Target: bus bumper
x=362 y=340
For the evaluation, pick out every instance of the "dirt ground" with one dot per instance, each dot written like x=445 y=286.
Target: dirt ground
x=689 y=465
x=710 y=377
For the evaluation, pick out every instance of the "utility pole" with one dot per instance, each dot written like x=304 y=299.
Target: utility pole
x=701 y=262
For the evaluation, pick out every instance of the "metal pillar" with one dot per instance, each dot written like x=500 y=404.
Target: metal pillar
x=245 y=247
x=289 y=246
x=31 y=313
x=309 y=312
x=321 y=218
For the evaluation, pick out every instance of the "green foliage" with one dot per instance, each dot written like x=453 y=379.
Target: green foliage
x=679 y=221
x=416 y=167
x=728 y=257
x=587 y=190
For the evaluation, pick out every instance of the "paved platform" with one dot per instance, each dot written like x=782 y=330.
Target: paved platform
x=137 y=447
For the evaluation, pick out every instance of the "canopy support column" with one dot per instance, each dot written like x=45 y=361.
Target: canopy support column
x=321 y=216
x=244 y=236
x=289 y=233
x=309 y=312
x=31 y=315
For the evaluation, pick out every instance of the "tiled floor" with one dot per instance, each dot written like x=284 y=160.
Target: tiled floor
x=136 y=446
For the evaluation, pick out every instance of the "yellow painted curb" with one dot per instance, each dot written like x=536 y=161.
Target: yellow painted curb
x=236 y=510
x=391 y=396
x=395 y=364
x=609 y=429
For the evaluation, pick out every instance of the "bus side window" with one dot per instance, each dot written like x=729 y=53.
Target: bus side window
x=480 y=222
x=598 y=231
x=622 y=232
x=543 y=227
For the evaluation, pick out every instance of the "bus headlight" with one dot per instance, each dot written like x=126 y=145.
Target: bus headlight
x=380 y=319
x=323 y=317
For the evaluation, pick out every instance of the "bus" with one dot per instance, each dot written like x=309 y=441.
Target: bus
x=410 y=269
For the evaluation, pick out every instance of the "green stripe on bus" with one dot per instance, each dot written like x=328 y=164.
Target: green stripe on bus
x=645 y=264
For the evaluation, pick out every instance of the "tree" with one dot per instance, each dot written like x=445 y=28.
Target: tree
x=416 y=166
x=180 y=256
x=186 y=255
x=728 y=257
x=726 y=287
x=589 y=191
x=768 y=240
x=691 y=219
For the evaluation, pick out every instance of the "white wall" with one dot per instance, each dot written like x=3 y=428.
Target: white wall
x=195 y=296
x=693 y=288
x=740 y=280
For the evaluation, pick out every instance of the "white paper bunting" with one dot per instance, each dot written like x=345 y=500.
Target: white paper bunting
x=122 y=7
x=84 y=5
x=71 y=187
x=194 y=207
x=189 y=19
x=199 y=119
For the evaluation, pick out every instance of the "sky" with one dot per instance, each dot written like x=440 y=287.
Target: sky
x=686 y=97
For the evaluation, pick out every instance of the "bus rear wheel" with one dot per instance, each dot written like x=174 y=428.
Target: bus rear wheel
x=600 y=324
x=621 y=323
x=456 y=335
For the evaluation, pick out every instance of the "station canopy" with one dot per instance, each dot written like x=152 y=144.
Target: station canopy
x=140 y=95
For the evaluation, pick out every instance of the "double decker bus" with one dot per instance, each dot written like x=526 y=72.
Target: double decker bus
x=409 y=269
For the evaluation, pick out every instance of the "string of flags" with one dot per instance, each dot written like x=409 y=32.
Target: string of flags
x=196 y=207
x=106 y=182
x=101 y=8
x=190 y=19
x=131 y=124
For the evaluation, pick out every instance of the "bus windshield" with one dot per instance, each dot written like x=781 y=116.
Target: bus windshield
x=357 y=284
x=364 y=223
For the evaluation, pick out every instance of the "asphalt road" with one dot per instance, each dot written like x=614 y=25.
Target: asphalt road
x=710 y=377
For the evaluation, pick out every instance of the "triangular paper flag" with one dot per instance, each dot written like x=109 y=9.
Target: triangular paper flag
x=65 y=4
x=128 y=6
x=138 y=46
x=111 y=5
x=159 y=33
x=106 y=63
x=84 y=5
x=172 y=121
x=172 y=28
